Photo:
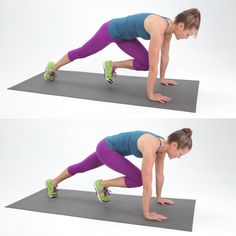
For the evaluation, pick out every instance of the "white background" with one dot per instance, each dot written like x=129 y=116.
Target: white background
x=34 y=32
x=34 y=150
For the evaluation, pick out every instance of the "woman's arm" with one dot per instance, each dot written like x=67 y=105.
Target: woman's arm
x=148 y=145
x=165 y=60
x=159 y=167
x=156 y=39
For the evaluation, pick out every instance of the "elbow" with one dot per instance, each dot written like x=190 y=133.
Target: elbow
x=160 y=176
x=147 y=190
x=153 y=70
x=165 y=59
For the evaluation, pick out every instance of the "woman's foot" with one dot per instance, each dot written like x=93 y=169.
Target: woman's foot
x=109 y=71
x=102 y=192
x=51 y=188
x=50 y=72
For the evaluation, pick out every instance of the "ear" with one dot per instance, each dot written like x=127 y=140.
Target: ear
x=174 y=145
x=181 y=25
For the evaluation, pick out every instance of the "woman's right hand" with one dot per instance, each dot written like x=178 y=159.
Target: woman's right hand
x=154 y=216
x=157 y=97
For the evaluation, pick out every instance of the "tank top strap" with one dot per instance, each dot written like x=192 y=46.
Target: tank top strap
x=167 y=22
x=161 y=141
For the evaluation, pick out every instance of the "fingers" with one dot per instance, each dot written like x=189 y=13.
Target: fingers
x=162 y=203
x=164 y=99
x=169 y=82
x=160 y=218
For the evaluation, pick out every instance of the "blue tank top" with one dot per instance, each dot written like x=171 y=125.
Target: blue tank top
x=126 y=143
x=130 y=27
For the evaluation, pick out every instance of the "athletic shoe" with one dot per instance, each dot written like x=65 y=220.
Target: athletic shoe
x=50 y=73
x=52 y=189
x=109 y=71
x=102 y=192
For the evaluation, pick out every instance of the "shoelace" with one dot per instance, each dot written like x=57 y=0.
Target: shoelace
x=114 y=74
x=106 y=191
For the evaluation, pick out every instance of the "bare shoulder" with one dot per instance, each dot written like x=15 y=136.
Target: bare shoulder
x=154 y=24
x=148 y=141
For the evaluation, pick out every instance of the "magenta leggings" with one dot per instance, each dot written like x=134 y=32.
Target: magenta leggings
x=102 y=39
x=104 y=155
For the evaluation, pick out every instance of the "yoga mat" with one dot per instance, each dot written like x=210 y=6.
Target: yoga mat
x=121 y=208
x=125 y=90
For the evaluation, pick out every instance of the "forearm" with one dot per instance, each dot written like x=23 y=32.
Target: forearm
x=159 y=185
x=147 y=194
x=163 y=67
x=152 y=75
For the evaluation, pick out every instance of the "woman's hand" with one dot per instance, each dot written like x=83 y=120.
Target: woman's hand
x=164 y=201
x=157 y=97
x=154 y=216
x=167 y=82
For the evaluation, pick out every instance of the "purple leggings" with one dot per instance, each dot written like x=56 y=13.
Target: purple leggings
x=102 y=39
x=104 y=155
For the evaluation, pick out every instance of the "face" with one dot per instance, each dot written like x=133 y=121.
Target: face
x=174 y=152
x=181 y=33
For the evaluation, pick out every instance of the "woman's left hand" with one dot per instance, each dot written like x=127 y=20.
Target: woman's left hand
x=164 y=201
x=167 y=82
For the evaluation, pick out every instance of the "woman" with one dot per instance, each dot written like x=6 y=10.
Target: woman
x=111 y=152
x=124 y=32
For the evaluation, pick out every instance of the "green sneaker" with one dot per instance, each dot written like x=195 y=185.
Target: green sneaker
x=109 y=72
x=102 y=192
x=50 y=73
x=52 y=190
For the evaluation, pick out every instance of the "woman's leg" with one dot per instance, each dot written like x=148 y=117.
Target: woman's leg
x=91 y=162
x=117 y=162
x=137 y=51
x=99 y=41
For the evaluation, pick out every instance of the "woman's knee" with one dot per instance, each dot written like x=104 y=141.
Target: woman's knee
x=135 y=181
x=144 y=66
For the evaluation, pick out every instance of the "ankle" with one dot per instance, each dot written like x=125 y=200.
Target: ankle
x=114 y=67
x=54 y=183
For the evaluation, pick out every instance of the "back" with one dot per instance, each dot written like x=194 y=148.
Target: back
x=126 y=143
x=128 y=28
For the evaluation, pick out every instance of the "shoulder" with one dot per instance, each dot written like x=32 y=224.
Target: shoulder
x=149 y=141
x=154 y=24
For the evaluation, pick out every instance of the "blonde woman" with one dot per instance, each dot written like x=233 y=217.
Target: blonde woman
x=111 y=152
x=124 y=32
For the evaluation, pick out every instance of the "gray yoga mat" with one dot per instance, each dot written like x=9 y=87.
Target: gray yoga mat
x=125 y=90
x=121 y=208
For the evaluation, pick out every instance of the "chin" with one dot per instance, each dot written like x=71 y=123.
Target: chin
x=176 y=37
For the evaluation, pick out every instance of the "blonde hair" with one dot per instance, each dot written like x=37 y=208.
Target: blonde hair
x=191 y=18
x=182 y=137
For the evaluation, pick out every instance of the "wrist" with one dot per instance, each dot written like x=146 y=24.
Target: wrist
x=150 y=95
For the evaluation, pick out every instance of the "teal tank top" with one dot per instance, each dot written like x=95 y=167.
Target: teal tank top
x=130 y=27
x=126 y=143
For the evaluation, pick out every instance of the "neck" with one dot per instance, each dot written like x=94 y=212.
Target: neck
x=164 y=147
x=171 y=27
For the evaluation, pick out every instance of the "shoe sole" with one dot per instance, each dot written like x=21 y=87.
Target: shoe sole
x=108 y=80
x=100 y=200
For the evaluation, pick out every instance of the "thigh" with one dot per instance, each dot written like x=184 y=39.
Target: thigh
x=134 y=48
x=99 y=41
x=116 y=161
